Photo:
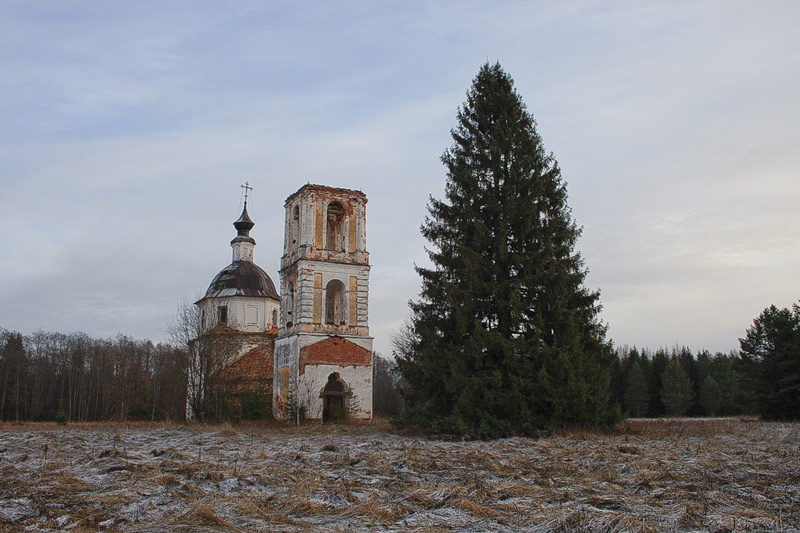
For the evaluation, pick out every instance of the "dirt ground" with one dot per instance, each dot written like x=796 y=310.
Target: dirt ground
x=657 y=475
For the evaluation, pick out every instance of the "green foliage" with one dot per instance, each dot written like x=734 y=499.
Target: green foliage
x=658 y=365
x=677 y=391
x=13 y=368
x=61 y=418
x=255 y=406
x=637 y=395
x=721 y=384
x=711 y=396
x=231 y=411
x=505 y=338
x=771 y=351
x=295 y=413
x=139 y=412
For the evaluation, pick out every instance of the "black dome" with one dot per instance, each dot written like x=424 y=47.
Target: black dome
x=242 y=278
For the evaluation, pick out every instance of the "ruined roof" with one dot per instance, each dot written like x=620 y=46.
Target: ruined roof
x=334 y=191
x=242 y=278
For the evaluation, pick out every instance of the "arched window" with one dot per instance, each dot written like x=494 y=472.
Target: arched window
x=335 y=236
x=334 y=303
x=274 y=317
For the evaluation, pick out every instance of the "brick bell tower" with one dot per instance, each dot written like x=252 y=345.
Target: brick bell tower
x=323 y=353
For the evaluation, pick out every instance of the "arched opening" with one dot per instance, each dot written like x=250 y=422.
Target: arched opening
x=334 y=303
x=335 y=236
x=334 y=394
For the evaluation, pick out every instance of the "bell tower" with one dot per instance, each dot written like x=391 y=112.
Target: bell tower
x=323 y=353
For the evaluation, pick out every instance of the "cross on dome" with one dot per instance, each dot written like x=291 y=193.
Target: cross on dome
x=247 y=188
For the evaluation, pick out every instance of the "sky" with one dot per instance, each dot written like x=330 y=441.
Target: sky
x=126 y=129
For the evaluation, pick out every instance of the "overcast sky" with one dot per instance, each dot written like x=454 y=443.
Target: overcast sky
x=126 y=129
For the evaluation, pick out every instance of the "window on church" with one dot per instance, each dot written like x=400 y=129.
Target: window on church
x=334 y=303
x=223 y=314
x=274 y=317
x=335 y=237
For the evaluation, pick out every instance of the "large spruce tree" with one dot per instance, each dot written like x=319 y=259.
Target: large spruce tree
x=770 y=352
x=507 y=339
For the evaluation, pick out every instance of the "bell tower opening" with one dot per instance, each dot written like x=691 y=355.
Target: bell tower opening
x=335 y=239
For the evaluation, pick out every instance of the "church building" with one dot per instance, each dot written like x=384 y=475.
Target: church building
x=309 y=349
x=323 y=353
x=239 y=317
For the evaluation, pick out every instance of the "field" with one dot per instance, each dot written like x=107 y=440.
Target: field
x=656 y=475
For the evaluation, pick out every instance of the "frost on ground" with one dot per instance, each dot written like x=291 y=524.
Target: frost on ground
x=673 y=475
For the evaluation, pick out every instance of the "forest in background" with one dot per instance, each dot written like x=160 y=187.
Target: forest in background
x=56 y=376
x=677 y=382
x=46 y=376
x=75 y=377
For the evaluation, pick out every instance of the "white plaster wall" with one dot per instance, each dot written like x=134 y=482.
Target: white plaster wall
x=237 y=313
x=286 y=354
x=361 y=227
x=330 y=271
x=313 y=380
x=357 y=378
x=242 y=251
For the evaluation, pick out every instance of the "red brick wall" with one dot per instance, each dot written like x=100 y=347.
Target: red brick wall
x=253 y=370
x=334 y=351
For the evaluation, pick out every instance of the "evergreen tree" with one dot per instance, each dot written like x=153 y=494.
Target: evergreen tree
x=677 y=391
x=506 y=337
x=637 y=395
x=617 y=381
x=658 y=365
x=13 y=367
x=771 y=348
x=711 y=396
x=689 y=364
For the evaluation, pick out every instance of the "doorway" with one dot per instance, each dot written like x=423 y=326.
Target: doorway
x=333 y=399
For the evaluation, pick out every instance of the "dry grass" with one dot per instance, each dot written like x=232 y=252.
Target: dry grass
x=656 y=475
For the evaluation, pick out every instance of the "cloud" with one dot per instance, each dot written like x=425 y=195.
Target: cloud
x=127 y=130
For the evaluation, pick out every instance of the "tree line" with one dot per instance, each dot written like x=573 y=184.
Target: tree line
x=763 y=378
x=74 y=377
x=678 y=382
x=47 y=376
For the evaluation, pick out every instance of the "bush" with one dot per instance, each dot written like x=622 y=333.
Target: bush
x=254 y=407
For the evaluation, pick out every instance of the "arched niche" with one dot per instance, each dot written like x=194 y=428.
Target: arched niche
x=334 y=303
